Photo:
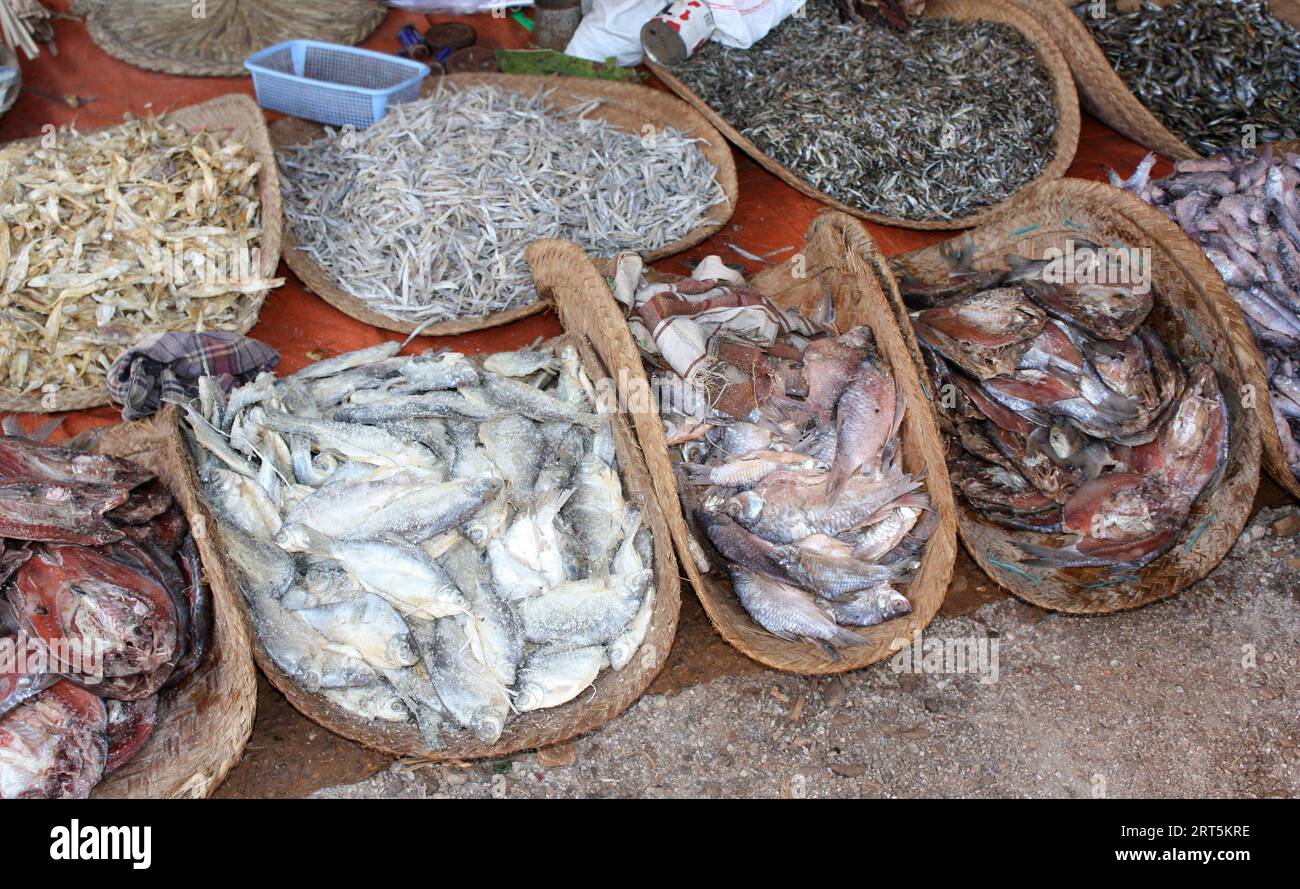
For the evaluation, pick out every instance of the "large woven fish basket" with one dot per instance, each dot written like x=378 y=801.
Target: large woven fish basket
x=205 y=721
x=239 y=115
x=1102 y=92
x=842 y=257
x=171 y=36
x=611 y=694
x=1049 y=55
x=630 y=106
x=1188 y=317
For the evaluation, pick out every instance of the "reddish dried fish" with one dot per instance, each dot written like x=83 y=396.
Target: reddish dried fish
x=986 y=333
x=55 y=512
x=81 y=595
x=130 y=725
x=1108 y=311
x=21 y=458
x=55 y=746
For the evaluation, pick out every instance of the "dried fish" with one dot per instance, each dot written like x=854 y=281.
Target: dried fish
x=1084 y=424
x=425 y=216
x=110 y=236
x=434 y=578
x=795 y=460
x=1247 y=220
x=1212 y=71
x=934 y=124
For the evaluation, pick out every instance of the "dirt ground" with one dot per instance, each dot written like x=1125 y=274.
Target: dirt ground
x=1195 y=696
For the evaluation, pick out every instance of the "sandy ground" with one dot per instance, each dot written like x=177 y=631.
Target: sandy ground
x=1196 y=696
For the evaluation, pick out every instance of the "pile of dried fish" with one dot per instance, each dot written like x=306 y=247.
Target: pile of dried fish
x=1066 y=412
x=426 y=214
x=790 y=457
x=107 y=237
x=934 y=124
x=1208 y=69
x=1243 y=209
x=102 y=606
x=430 y=538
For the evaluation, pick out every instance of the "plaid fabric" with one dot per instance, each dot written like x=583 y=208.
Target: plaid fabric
x=167 y=367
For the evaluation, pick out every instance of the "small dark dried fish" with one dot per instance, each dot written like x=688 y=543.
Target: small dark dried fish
x=934 y=124
x=1207 y=68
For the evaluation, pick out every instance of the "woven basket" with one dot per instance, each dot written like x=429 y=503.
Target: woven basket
x=1189 y=318
x=204 y=722
x=1102 y=92
x=164 y=35
x=239 y=115
x=630 y=106
x=842 y=255
x=1067 y=107
x=9 y=94
x=612 y=693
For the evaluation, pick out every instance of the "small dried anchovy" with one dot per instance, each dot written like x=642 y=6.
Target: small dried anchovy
x=935 y=124
x=426 y=215
x=1206 y=68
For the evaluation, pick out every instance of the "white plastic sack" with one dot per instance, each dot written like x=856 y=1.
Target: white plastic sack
x=613 y=28
x=742 y=23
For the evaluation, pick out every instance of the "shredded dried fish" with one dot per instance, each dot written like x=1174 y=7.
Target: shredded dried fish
x=110 y=236
x=425 y=216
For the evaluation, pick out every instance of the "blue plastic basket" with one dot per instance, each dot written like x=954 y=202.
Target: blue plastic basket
x=332 y=84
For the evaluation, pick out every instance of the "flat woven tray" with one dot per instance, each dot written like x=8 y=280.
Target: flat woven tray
x=626 y=105
x=1004 y=11
x=165 y=35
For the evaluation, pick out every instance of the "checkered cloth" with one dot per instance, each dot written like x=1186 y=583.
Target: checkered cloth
x=167 y=367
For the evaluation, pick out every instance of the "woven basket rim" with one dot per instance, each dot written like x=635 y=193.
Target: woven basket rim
x=106 y=32
x=234 y=111
x=660 y=110
x=189 y=753
x=1103 y=92
x=1219 y=516
x=612 y=693
x=844 y=247
x=1005 y=11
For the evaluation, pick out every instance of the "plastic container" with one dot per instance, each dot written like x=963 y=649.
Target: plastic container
x=332 y=84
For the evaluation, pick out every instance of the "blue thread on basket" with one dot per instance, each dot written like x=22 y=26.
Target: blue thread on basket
x=1120 y=578
x=1026 y=229
x=1014 y=568
x=1205 y=526
x=1191 y=325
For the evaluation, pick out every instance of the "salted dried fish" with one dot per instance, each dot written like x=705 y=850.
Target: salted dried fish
x=403 y=553
x=796 y=449
x=425 y=215
x=110 y=236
